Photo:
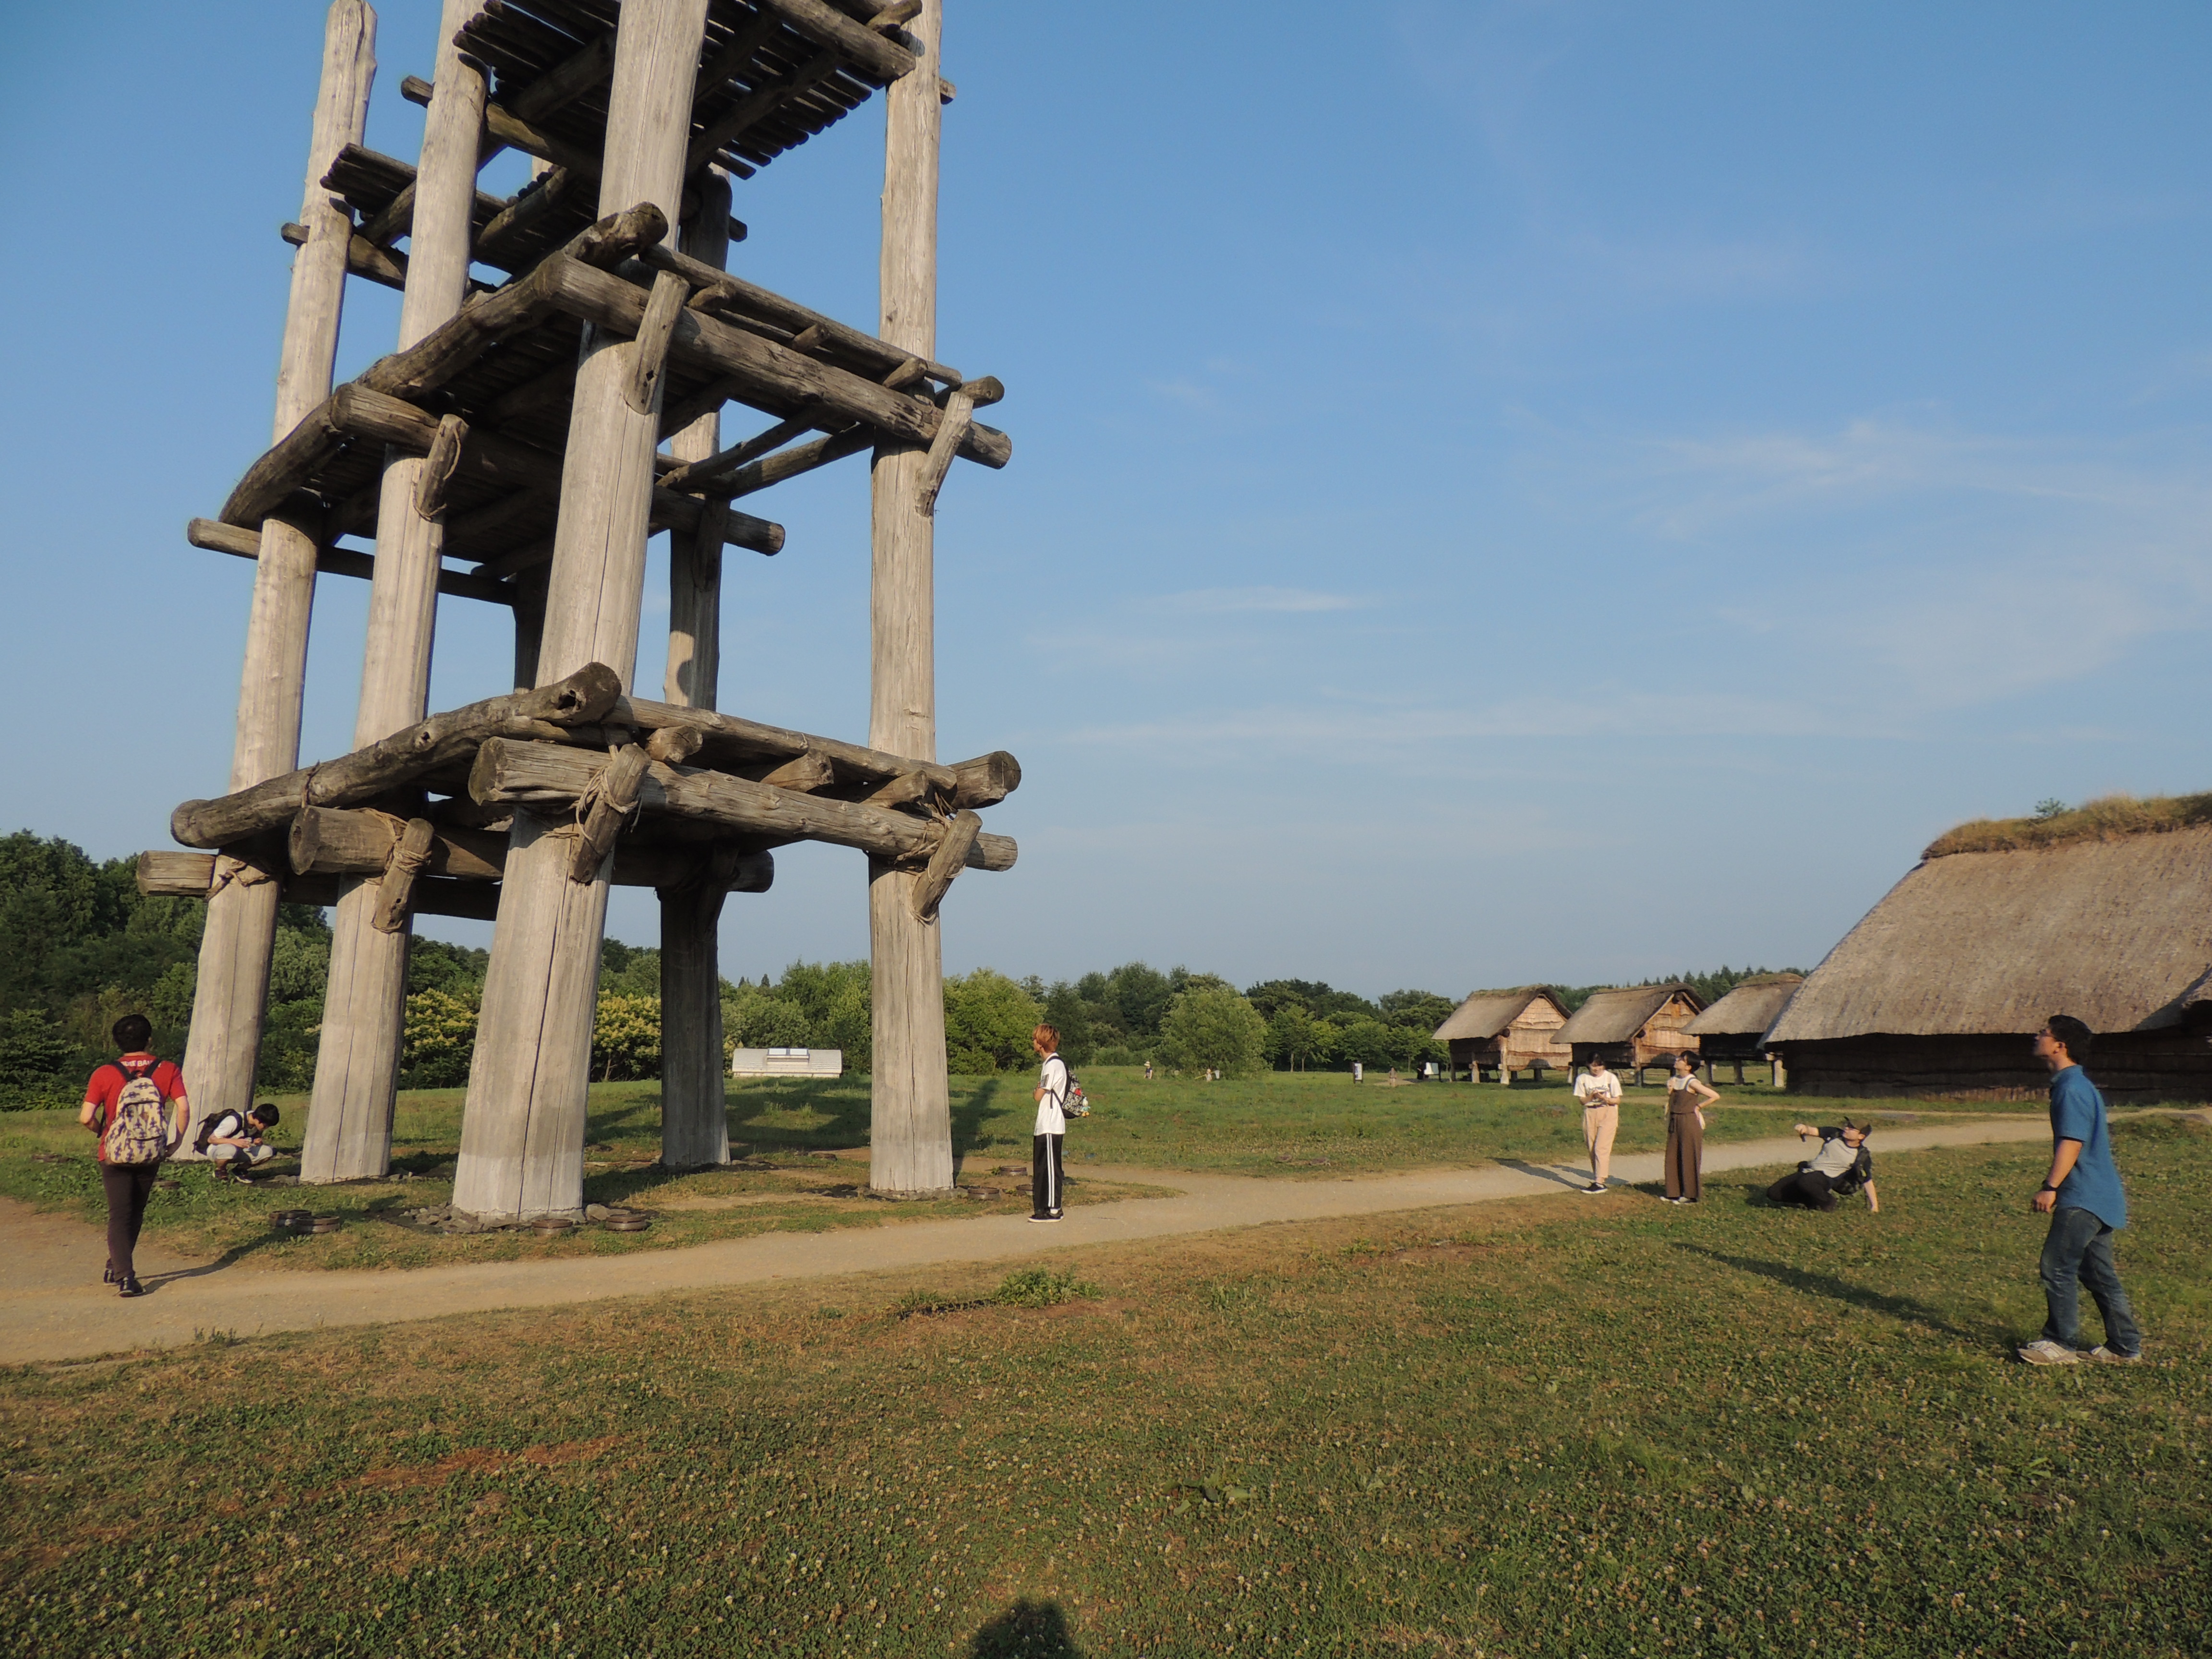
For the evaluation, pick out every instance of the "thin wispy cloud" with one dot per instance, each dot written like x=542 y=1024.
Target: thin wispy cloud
x=1230 y=601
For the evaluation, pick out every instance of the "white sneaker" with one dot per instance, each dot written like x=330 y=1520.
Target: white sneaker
x=2043 y=1351
x=2112 y=1357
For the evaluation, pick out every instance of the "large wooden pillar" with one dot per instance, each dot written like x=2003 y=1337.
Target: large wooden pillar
x=225 y=1044
x=357 y=1063
x=911 y=1119
x=694 y=1128
x=522 y=1137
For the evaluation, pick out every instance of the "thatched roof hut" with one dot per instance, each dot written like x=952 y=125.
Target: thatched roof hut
x=1734 y=1030
x=2105 y=914
x=1633 y=1026
x=1514 y=1031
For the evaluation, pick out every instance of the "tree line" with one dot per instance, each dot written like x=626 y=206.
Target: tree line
x=80 y=945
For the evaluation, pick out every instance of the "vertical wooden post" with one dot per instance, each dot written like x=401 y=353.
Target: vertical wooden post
x=522 y=1135
x=225 y=1044
x=910 y=1149
x=694 y=1128
x=349 y=1134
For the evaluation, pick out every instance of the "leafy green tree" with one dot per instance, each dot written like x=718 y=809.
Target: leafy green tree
x=441 y=1037
x=1141 y=994
x=1423 y=1010
x=1213 y=1026
x=1368 y=1042
x=31 y=1050
x=1291 y=1036
x=1066 y=1011
x=626 y=1037
x=989 y=1020
x=754 y=1017
x=434 y=965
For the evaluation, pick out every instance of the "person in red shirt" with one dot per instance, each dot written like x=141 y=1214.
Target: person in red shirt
x=130 y=1183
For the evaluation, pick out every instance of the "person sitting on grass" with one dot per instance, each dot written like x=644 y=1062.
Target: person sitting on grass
x=233 y=1139
x=1842 y=1166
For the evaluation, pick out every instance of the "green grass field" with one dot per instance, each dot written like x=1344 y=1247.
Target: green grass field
x=1280 y=1126
x=1521 y=1429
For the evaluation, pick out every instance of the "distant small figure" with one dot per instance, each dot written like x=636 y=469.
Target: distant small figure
x=1357 y=1071
x=1047 y=1167
x=1148 y=1071
x=1842 y=1166
x=235 y=1139
x=1599 y=1091
x=2082 y=1196
x=123 y=1102
x=1687 y=1095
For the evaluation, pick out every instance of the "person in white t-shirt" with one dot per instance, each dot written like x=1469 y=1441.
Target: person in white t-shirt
x=1599 y=1091
x=1048 y=1172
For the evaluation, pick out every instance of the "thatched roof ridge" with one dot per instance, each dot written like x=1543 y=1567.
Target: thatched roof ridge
x=2115 y=932
x=2097 y=820
x=1617 y=1015
x=1486 y=1013
x=1749 y=1008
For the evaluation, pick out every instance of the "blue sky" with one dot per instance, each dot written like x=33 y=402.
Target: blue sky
x=1501 y=491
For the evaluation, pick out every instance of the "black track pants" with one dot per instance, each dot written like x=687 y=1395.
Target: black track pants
x=1048 y=1176
x=129 y=1186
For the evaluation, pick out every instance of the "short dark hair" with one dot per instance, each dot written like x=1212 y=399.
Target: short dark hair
x=132 y=1033
x=1688 y=1058
x=2076 y=1035
x=266 y=1112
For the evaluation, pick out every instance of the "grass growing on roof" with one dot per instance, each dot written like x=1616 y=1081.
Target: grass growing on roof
x=1522 y=1429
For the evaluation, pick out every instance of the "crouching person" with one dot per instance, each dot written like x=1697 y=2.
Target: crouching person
x=1842 y=1166
x=235 y=1139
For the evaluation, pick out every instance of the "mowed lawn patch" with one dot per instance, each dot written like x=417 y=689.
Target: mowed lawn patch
x=1546 y=1427
x=1310 y=1125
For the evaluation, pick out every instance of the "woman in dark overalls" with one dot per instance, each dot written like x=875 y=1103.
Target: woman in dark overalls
x=1686 y=1095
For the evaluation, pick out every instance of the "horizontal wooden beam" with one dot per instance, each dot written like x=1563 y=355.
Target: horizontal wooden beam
x=219 y=538
x=539 y=775
x=731 y=737
x=582 y=699
x=327 y=842
x=364 y=258
x=875 y=59
x=187 y=875
x=770 y=376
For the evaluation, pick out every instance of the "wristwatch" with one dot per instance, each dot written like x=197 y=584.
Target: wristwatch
x=2047 y=1188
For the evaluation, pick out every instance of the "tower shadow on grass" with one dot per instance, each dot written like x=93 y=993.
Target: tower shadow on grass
x=1903 y=1309
x=1028 y=1630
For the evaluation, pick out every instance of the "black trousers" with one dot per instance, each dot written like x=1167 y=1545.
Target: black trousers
x=128 y=1185
x=1808 y=1187
x=1048 y=1176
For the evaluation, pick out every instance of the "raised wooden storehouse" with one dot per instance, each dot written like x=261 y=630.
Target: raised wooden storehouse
x=1510 y=1031
x=1633 y=1026
x=2105 y=914
x=1734 y=1030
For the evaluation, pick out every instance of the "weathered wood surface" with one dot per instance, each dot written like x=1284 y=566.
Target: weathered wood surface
x=541 y=775
x=408 y=854
x=910 y=1138
x=695 y=1130
x=522 y=1130
x=959 y=413
x=188 y=875
x=584 y=698
x=945 y=863
x=326 y=841
x=769 y=375
x=217 y=537
x=732 y=735
x=613 y=797
x=223 y=1048
x=882 y=61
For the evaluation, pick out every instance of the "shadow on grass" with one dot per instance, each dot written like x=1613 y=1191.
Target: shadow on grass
x=1028 y=1630
x=1903 y=1309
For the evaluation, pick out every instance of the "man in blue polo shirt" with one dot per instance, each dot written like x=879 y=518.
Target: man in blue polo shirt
x=2082 y=1197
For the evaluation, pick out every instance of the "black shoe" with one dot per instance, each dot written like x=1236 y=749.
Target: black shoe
x=108 y=1274
x=130 y=1286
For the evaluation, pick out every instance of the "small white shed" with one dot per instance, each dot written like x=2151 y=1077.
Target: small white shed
x=788 y=1062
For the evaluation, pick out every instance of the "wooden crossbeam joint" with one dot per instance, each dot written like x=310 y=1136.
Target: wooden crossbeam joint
x=439 y=465
x=903 y=11
x=650 y=350
x=396 y=891
x=613 y=797
x=946 y=861
x=959 y=414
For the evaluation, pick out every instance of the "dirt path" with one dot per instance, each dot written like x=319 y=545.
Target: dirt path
x=52 y=1306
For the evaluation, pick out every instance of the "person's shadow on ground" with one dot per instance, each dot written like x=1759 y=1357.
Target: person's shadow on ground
x=1028 y=1630
x=1903 y=1309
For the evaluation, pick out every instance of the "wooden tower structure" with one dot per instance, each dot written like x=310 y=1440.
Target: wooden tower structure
x=519 y=445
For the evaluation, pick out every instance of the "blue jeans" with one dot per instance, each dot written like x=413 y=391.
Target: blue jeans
x=2079 y=1247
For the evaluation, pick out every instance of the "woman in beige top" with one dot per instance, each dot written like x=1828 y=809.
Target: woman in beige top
x=1686 y=1095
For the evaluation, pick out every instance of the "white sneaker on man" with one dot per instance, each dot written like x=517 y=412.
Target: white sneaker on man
x=2043 y=1351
